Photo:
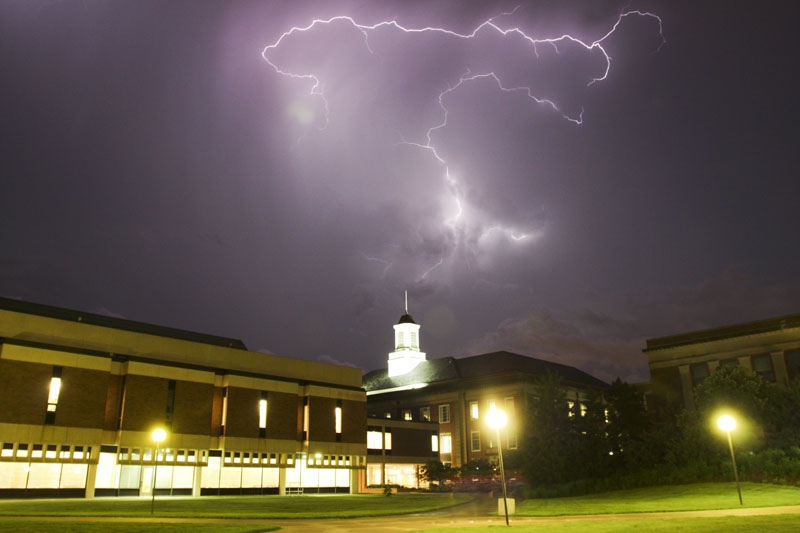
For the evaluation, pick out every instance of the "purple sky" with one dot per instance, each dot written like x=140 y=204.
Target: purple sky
x=155 y=166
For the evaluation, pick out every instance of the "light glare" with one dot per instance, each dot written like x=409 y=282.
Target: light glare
x=496 y=418
x=726 y=423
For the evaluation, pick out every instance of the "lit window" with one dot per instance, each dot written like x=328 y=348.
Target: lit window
x=475 y=438
x=52 y=397
x=447 y=443
x=407 y=415
x=473 y=409
x=583 y=409
x=387 y=440
x=8 y=449
x=492 y=405
x=570 y=407
x=262 y=414
x=388 y=414
x=374 y=439
x=224 y=407
x=434 y=443
x=444 y=414
x=338 y=416
x=425 y=413
x=305 y=418
x=414 y=339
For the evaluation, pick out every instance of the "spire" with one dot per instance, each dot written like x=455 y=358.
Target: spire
x=406 y=292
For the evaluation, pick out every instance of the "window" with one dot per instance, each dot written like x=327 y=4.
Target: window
x=262 y=415
x=305 y=418
x=583 y=409
x=52 y=397
x=435 y=443
x=447 y=443
x=510 y=407
x=762 y=365
x=793 y=363
x=414 y=340
x=170 y=411
x=388 y=414
x=387 y=439
x=475 y=440
x=699 y=373
x=400 y=339
x=8 y=449
x=374 y=438
x=407 y=414
x=224 y=410
x=337 y=420
x=425 y=413
x=570 y=408
x=444 y=414
x=473 y=409
x=512 y=440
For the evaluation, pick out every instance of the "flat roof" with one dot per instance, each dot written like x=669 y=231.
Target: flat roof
x=725 y=332
x=21 y=306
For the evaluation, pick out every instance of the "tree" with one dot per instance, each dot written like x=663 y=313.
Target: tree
x=547 y=434
x=436 y=472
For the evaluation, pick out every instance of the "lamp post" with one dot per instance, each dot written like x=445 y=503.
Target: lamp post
x=159 y=436
x=727 y=423
x=496 y=420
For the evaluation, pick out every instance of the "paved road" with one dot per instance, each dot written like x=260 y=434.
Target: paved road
x=475 y=513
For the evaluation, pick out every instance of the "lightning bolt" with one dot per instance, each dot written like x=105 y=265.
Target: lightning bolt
x=455 y=222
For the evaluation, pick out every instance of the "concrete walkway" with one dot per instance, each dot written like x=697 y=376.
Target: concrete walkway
x=475 y=513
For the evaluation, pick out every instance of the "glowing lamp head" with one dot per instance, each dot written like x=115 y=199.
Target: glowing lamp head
x=726 y=423
x=159 y=435
x=496 y=418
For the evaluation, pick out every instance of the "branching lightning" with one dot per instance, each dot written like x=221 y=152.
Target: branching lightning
x=455 y=222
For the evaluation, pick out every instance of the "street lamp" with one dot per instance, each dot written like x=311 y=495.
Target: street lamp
x=496 y=420
x=159 y=436
x=727 y=423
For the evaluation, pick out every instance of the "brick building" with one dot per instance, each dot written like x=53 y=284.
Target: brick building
x=456 y=394
x=80 y=395
x=678 y=363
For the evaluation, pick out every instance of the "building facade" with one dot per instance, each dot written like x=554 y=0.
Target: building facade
x=678 y=363
x=456 y=394
x=82 y=393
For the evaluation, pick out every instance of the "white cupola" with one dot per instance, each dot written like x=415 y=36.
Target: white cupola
x=406 y=355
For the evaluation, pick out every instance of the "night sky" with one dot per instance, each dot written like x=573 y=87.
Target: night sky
x=156 y=167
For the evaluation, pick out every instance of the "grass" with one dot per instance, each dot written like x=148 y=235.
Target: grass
x=729 y=524
x=7 y=526
x=696 y=497
x=310 y=506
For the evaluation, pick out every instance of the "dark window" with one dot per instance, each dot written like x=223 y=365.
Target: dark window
x=793 y=363
x=699 y=373
x=170 y=402
x=762 y=365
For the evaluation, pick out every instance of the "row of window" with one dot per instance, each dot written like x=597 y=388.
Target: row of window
x=761 y=365
x=475 y=441
x=46 y=452
x=165 y=455
x=55 y=391
x=444 y=411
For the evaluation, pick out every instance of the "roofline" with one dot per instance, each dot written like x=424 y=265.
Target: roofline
x=71 y=315
x=725 y=332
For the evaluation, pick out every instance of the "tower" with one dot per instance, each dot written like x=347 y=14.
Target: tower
x=406 y=355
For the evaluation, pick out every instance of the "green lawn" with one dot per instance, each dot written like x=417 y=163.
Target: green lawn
x=727 y=524
x=7 y=526
x=310 y=506
x=694 y=497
